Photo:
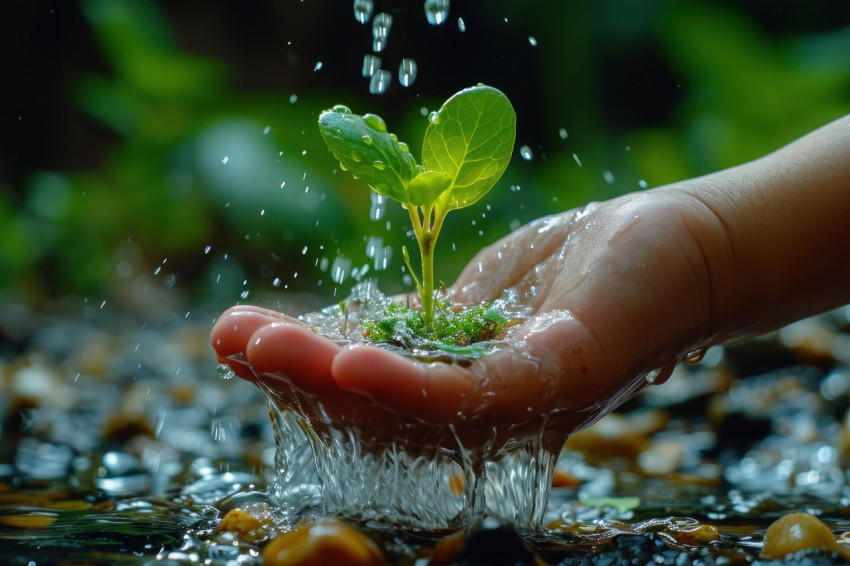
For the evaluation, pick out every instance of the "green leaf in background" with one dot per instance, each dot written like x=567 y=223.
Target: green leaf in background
x=621 y=504
x=363 y=147
x=470 y=139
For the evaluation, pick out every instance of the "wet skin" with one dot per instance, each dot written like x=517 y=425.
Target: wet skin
x=602 y=282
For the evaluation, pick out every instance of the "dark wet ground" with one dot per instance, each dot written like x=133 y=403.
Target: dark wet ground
x=121 y=444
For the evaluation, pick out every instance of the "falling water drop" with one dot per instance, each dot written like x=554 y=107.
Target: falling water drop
x=293 y=99
x=436 y=11
x=643 y=184
x=371 y=63
x=318 y=66
x=563 y=133
x=526 y=153
x=376 y=212
x=461 y=25
x=381 y=30
x=407 y=72
x=363 y=10
x=532 y=40
x=577 y=160
x=380 y=81
x=608 y=176
x=340 y=268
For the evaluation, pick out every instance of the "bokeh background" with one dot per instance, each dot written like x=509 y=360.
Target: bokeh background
x=159 y=156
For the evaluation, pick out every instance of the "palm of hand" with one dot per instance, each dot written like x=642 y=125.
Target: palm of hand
x=615 y=289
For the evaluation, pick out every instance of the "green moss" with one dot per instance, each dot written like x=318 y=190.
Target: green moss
x=454 y=328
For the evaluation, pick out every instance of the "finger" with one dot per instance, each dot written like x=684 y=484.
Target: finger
x=436 y=393
x=301 y=356
x=233 y=329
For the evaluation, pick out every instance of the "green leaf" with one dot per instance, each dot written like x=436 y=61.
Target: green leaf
x=470 y=139
x=426 y=188
x=363 y=147
x=494 y=315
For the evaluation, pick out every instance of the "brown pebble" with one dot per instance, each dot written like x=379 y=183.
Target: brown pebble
x=251 y=524
x=321 y=542
x=799 y=531
x=448 y=548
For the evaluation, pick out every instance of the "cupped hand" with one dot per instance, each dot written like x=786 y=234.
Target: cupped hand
x=618 y=292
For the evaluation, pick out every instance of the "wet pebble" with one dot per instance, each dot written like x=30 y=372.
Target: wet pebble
x=800 y=531
x=320 y=542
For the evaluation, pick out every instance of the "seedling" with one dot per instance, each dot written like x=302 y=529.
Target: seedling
x=467 y=146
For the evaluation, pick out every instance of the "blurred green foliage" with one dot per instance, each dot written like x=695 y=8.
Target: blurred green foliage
x=211 y=177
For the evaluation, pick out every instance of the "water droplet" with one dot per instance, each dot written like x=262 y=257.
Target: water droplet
x=378 y=44
x=225 y=160
x=381 y=25
x=436 y=11
x=609 y=177
x=356 y=157
x=407 y=72
x=340 y=268
x=293 y=99
x=563 y=133
x=367 y=139
x=342 y=166
x=371 y=63
x=318 y=66
x=363 y=10
x=434 y=117
x=379 y=165
x=267 y=129
x=461 y=25
x=376 y=212
x=643 y=184
x=526 y=153
x=532 y=40
x=577 y=160
x=404 y=147
x=341 y=109
x=375 y=122
x=380 y=81
x=276 y=282
x=695 y=357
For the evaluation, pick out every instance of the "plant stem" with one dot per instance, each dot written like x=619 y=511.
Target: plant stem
x=426 y=234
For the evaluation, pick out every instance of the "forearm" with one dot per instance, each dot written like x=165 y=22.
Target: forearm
x=782 y=251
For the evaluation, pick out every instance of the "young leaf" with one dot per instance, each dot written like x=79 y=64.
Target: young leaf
x=363 y=147
x=426 y=188
x=470 y=139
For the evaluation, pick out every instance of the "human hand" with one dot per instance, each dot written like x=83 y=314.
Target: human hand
x=617 y=291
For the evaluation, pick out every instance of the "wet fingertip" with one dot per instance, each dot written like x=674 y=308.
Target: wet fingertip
x=381 y=374
x=232 y=331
